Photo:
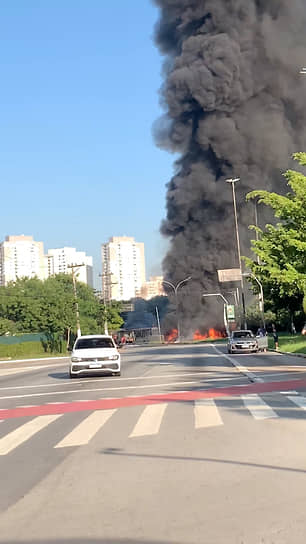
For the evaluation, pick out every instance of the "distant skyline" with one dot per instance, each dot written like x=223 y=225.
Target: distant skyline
x=79 y=96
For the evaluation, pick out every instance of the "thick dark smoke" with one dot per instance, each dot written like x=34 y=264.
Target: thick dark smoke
x=235 y=106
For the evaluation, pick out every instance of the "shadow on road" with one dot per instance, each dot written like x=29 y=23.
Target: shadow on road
x=118 y=452
x=59 y=375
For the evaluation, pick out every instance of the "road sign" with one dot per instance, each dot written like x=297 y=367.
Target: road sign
x=229 y=274
x=230 y=311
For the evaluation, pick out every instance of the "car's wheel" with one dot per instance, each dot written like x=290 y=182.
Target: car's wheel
x=117 y=374
x=72 y=376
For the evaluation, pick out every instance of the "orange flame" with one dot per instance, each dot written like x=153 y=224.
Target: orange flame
x=172 y=335
x=212 y=334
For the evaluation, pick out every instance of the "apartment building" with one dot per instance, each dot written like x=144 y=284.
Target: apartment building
x=20 y=257
x=57 y=261
x=123 y=268
x=153 y=288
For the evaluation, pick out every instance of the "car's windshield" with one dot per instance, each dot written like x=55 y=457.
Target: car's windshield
x=90 y=343
x=243 y=334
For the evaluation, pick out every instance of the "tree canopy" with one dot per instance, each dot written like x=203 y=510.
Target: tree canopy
x=281 y=248
x=32 y=305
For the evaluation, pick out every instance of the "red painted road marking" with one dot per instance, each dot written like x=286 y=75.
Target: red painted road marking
x=184 y=396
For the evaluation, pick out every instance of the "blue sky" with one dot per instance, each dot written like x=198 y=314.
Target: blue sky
x=79 y=95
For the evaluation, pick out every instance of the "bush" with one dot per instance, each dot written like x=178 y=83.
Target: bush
x=24 y=350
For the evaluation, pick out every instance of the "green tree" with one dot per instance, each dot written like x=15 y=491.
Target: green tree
x=22 y=303
x=281 y=248
x=113 y=316
x=32 y=305
x=7 y=326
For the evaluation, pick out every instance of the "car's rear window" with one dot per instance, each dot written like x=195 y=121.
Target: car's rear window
x=90 y=343
x=242 y=334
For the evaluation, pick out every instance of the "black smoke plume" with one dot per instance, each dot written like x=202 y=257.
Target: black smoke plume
x=235 y=106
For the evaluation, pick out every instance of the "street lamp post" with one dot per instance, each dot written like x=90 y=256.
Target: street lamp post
x=175 y=289
x=256 y=224
x=224 y=307
x=261 y=296
x=232 y=181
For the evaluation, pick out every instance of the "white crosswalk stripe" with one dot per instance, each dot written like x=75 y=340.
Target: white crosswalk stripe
x=149 y=421
x=20 y=435
x=86 y=430
x=258 y=407
x=299 y=401
x=206 y=414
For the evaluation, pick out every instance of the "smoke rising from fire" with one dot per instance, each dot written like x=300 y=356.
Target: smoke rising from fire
x=235 y=106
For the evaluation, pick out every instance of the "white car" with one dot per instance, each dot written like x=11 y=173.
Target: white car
x=242 y=341
x=94 y=354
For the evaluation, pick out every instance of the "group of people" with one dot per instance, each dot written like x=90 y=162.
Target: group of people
x=120 y=341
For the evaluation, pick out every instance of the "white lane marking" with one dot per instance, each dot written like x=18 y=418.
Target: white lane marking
x=149 y=421
x=200 y=374
x=23 y=433
x=299 y=401
x=55 y=393
x=258 y=407
x=85 y=431
x=289 y=393
x=206 y=414
x=240 y=367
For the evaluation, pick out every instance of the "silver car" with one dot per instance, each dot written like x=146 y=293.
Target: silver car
x=94 y=354
x=242 y=342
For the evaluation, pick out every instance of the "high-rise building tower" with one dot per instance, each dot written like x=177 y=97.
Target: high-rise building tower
x=21 y=257
x=123 y=268
x=58 y=261
x=153 y=288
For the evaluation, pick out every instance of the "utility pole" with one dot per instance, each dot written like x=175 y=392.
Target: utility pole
x=105 y=290
x=77 y=313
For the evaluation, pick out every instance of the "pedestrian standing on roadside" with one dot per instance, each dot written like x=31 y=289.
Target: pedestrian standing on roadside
x=275 y=337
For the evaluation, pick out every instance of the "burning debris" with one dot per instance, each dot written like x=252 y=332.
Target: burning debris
x=212 y=334
x=171 y=336
x=235 y=106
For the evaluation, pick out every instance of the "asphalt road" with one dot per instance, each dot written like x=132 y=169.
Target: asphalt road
x=190 y=445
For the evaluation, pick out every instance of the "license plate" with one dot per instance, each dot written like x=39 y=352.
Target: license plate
x=95 y=365
x=245 y=345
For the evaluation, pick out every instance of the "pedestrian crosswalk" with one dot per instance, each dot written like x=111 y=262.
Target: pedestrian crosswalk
x=203 y=415
x=86 y=430
x=206 y=414
x=149 y=421
x=24 y=432
x=258 y=407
